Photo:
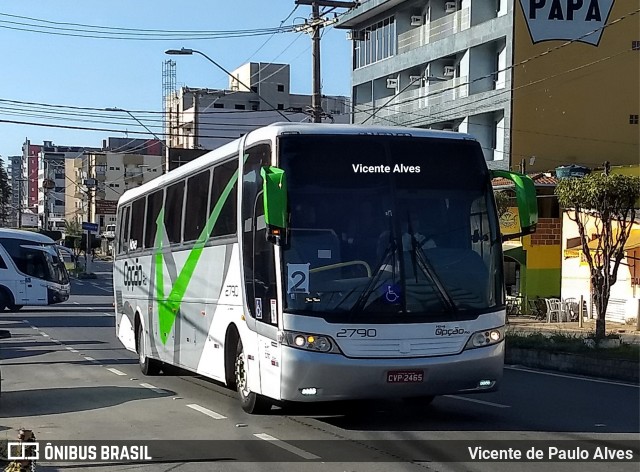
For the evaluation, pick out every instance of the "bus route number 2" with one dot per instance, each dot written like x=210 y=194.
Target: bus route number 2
x=297 y=278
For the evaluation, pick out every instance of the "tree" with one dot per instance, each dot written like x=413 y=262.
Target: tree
x=73 y=236
x=5 y=195
x=608 y=201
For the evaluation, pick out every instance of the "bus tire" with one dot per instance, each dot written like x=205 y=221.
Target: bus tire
x=5 y=298
x=148 y=366
x=250 y=402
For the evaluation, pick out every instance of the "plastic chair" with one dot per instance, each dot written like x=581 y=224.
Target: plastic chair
x=569 y=309
x=554 y=309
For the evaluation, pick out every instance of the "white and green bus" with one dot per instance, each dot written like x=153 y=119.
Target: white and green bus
x=307 y=262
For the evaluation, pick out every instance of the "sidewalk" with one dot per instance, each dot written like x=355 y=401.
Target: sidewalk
x=628 y=333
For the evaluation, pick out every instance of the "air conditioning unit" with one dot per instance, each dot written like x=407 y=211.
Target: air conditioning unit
x=416 y=20
x=450 y=7
x=415 y=80
x=392 y=83
x=448 y=71
x=356 y=35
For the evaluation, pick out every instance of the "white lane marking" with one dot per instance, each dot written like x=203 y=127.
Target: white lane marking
x=90 y=308
x=152 y=387
x=206 y=411
x=74 y=351
x=68 y=348
x=76 y=303
x=115 y=371
x=481 y=402
x=90 y=358
x=44 y=334
x=286 y=446
x=109 y=314
x=104 y=289
x=573 y=377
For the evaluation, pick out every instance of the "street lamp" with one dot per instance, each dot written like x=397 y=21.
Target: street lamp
x=189 y=52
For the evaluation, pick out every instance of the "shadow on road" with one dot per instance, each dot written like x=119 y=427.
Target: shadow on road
x=93 y=319
x=53 y=401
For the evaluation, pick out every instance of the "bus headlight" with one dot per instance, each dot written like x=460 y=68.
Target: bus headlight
x=486 y=337
x=309 y=342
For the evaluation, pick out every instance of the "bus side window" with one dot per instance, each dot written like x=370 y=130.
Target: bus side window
x=123 y=246
x=136 y=233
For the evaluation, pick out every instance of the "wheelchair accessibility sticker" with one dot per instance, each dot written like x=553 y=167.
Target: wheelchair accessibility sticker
x=392 y=293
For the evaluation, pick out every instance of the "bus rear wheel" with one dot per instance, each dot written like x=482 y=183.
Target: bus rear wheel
x=250 y=402
x=148 y=366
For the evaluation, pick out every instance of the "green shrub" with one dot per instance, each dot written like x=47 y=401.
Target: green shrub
x=571 y=343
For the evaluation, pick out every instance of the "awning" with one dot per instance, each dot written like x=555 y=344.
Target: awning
x=633 y=241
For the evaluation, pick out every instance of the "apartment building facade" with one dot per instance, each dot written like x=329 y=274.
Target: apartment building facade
x=539 y=83
x=199 y=118
x=99 y=178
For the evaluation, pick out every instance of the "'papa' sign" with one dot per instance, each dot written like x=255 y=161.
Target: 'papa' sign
x=580 y=20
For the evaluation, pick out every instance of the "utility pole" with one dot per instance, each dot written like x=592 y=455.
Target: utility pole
x=314 y=27
x=90 y=183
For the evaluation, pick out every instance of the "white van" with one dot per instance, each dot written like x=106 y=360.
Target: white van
x=31 y=270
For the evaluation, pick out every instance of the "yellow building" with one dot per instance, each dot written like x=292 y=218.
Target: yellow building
x=578 y=103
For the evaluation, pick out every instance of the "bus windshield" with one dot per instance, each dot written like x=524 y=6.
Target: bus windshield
x=35 y=260
x=389 y=227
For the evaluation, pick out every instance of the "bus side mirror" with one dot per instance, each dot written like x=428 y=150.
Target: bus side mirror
x=274 y=195
x=527 y=202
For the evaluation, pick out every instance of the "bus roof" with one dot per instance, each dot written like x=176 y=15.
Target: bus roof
x=26 y=235
x=271 y=131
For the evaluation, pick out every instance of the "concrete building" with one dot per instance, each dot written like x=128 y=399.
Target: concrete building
x=18 y=182
x=484 y=67
x=30 y=153
x=99 y=178
x=208 y=118
x=52 y=184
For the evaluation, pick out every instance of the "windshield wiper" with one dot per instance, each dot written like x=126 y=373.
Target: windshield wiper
x=390 y=250
x=418 y=257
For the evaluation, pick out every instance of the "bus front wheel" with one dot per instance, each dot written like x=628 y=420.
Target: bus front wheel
x=148 y=366
x=251 y=402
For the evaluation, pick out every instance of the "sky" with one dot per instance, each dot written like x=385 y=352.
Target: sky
x=59 y=69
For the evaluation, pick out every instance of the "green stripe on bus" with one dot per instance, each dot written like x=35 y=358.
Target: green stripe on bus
x=168 y=308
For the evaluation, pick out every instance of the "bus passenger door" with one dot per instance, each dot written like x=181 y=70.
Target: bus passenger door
x=260 y=272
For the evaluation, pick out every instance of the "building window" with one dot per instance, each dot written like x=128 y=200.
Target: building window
x=374 y=43
x=635 y=45
x=280 y=106
x=280 y=88
x=239 y=106
x=633 y=119
x=218 y=105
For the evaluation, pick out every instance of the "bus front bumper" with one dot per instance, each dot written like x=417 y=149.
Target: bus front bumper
x=313 y=377
x=57 y=295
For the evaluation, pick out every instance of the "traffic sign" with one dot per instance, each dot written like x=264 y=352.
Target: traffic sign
x=90 y=226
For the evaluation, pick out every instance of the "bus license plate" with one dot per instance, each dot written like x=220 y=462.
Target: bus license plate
x=405 y=376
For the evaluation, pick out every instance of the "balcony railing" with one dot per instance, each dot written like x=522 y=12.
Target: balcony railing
x=434 y=30
x=413 y=104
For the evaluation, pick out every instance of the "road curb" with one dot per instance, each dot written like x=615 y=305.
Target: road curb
x=607 y=368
